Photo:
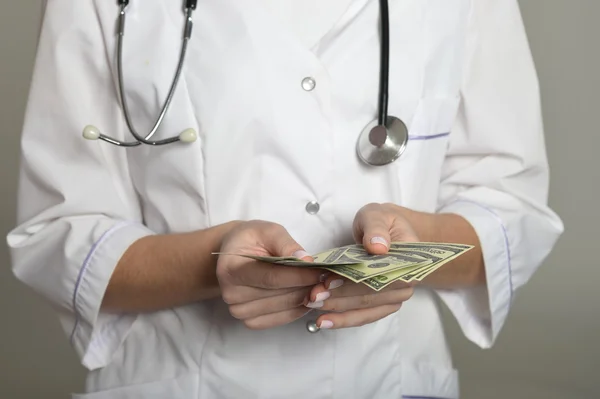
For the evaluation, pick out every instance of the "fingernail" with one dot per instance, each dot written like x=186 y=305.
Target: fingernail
x=315 y=305
x=336 y=284
x=380 y=240
x=323 y=277
x=326 y=324
x=322 y=296
x=300 y=254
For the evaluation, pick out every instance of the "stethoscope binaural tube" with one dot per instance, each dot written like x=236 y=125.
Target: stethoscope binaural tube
x=188 y=135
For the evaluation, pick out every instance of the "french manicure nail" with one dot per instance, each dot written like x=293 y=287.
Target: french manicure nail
x=322 y=296
x=326 y=324
x=315 y=305
x=380 y=240
x=336 y=284
x=300 y=254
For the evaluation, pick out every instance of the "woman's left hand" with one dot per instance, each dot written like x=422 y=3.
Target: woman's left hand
x=352 y=305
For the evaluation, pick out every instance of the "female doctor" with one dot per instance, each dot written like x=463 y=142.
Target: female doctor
x=272 y=99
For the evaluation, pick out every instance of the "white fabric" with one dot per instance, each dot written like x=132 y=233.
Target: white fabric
x=463 y=80
x=309 y=20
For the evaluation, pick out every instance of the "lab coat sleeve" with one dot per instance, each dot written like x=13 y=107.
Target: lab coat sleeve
x=77 y=209
x=496 y=173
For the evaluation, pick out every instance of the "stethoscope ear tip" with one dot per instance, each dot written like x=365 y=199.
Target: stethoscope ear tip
x=91 y=133
x=188 y=136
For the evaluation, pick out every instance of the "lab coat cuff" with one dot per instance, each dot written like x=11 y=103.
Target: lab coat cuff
x=97 y=335
x=482 y=311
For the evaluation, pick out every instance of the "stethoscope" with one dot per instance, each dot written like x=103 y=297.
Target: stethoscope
x=380 y=143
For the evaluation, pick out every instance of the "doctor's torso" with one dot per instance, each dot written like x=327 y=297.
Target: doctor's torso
x=279 y=93
x=268 y=143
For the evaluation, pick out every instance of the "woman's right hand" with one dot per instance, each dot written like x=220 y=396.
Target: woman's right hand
x=264 y=295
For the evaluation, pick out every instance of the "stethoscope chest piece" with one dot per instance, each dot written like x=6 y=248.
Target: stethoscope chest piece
x=381 y=145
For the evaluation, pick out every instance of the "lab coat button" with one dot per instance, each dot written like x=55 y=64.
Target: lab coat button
x=312 y=327
x=313 y=207
x=308 y=84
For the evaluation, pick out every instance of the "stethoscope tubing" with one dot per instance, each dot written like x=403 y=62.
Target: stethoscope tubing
x=384 y=63
x=189 y=135
x=139 y=138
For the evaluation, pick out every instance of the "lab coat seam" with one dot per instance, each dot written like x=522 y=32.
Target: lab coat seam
x=506 y=242
x=82 y=271
x=334 y=29
x=211 y=328
x=202 y=184
x=123 y=182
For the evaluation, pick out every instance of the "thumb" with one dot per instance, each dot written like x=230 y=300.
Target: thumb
x=373 y=229
x=279 y=242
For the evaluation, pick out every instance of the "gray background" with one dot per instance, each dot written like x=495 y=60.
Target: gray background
x=549 y=347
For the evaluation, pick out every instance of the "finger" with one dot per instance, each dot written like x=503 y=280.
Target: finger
x=276 y=319
x=372 y=300
x=278 y=242
x=356 y=318
x=341 y=288
x=233 y=295
x=372 y=227
x=276 y=304
x=321 y=292
x=269 y=276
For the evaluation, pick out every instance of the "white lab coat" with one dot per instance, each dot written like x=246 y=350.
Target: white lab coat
x=463 y=80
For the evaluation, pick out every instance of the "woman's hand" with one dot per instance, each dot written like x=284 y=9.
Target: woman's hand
x=264 y=295
x=375 y=227
x=355 y=304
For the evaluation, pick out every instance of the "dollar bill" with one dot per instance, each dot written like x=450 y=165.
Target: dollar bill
x=351 y=261
x=361 y=272
x=429 y=270
x=438 y=254
x=267 y=259
x=296 y=262
x=403 y=245
x=356 y=264
x=379 y=282
x=404 y=261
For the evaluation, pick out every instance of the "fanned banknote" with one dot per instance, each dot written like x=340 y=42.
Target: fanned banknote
x=438 y=253
x=404 y=262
